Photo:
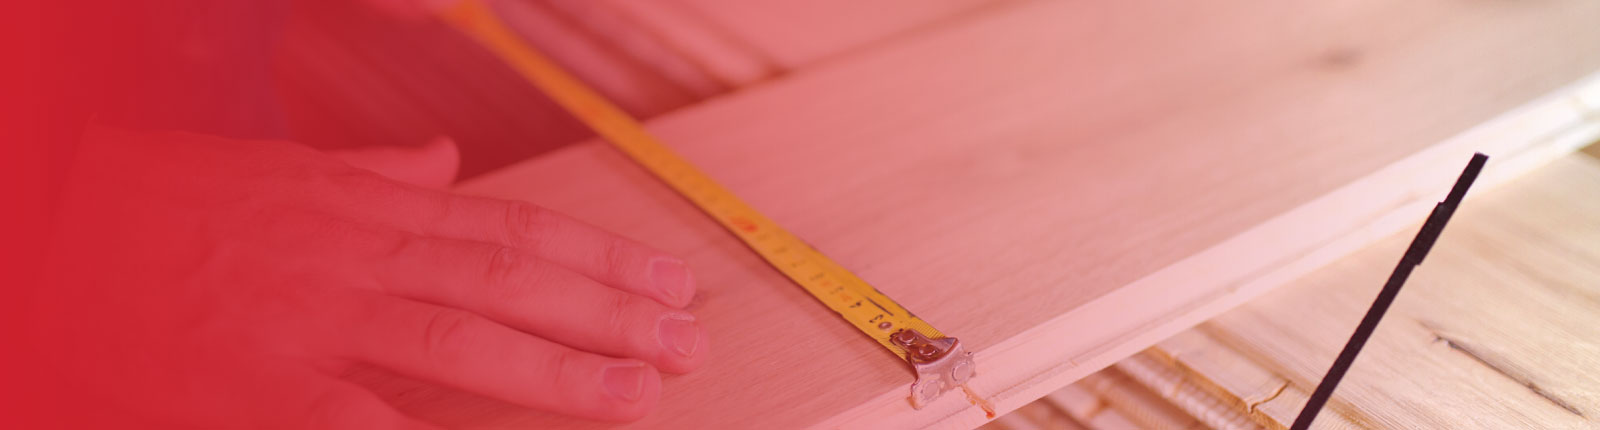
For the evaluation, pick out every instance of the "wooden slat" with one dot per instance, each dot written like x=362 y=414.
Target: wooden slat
x=1086 y=408
x=1036 y=416
x=1146 y=409
x=1157 y=374
x=1060 y=186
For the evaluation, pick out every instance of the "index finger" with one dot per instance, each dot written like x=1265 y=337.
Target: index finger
x=588 y=250
x=597 y=254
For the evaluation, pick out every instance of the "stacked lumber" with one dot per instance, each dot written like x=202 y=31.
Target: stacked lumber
x=1497 y=329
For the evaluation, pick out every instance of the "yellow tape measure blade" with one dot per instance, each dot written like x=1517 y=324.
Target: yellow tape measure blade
x=941 y=362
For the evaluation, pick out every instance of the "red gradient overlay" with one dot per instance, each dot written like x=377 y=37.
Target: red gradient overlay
x=176 y=260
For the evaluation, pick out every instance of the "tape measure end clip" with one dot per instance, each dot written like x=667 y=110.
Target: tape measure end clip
x=941 y=364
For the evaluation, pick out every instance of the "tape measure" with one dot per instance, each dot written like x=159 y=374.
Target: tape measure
x=940 y=361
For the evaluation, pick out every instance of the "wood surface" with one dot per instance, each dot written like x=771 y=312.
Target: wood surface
x=1060 y=185
x=1499 y=327
x=351 y=76
x=760 y=39
x=1112 y=400
x=1257 y=364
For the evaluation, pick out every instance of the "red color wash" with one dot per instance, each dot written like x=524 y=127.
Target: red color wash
x=184 y=265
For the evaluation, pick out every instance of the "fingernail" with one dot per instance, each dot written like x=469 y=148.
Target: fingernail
x=625 y=382
x=671 y=278
x=679 y=334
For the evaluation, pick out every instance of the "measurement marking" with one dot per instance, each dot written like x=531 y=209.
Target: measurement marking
x=774 y=244
x=875 y=303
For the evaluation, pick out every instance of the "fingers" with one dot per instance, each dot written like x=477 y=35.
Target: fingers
x=463 y=350
x=433 y=165
x=585 y=249
x=594 y=253
x=509 y=285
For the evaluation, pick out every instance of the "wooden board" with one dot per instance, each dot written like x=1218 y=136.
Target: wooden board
x=1061 y=186
x=1497 y=329
x=1259 y=362
x=352 y=76
x=763 y=38
x=631 y=49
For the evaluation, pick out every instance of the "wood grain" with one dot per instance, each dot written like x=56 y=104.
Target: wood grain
x=1060 y=186
x=746 y=41
x=352 y=77
x=1497 y=329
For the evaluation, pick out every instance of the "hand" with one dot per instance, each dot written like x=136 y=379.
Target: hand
x=199 y=281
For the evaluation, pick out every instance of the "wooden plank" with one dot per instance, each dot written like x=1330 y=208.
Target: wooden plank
x=1497 y=328
x=638 y=88
x=1158 y=375
x=734 y=44
x=775 y=36
x=723 y=56
x=351 y=77
x=623 y=35
x=1146 y=409
x=1078 y=406
x=1068 y=200
x=1232 y=379
x=1036 y=416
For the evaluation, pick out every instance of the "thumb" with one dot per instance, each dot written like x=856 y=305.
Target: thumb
x=433 y=165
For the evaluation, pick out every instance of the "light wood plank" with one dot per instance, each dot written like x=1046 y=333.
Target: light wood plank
x=723 y=56
x=640 y=88
x=786 y=35
x=1158 y=375
x=1497 y=329
x=623 y=35
x=1144 y=408
x=1060 y=186
x=1035 y=416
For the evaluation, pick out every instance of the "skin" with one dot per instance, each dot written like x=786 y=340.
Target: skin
x=203 y=282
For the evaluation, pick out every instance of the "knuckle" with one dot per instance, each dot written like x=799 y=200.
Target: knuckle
x=614 y=258
x=526 y=224
x=563 y=366
x=354 y=183
x=444 y=210
x=445 y=335
x=622 y=314
x=511 y=275
x=501 y=269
